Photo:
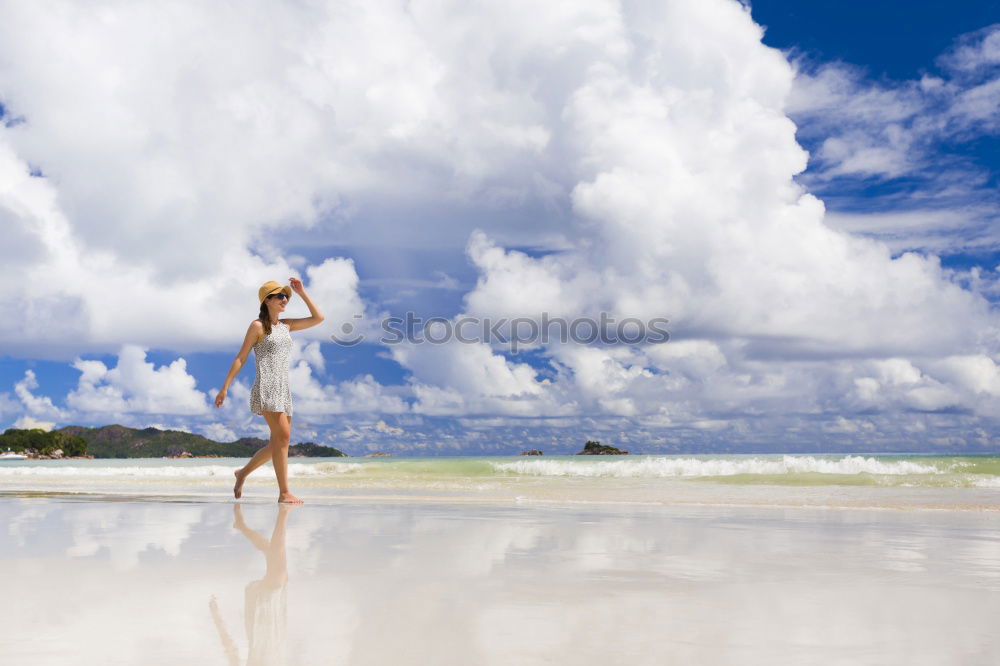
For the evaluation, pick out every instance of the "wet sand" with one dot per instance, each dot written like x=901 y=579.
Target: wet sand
x=196 y=581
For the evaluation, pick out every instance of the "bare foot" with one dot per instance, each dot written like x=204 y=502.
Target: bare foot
x=238 y=488
x=288 y=498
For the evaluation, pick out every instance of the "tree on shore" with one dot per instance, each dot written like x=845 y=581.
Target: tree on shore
x=36 y=440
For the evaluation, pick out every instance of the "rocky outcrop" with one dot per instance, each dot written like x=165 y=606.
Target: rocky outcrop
x=598 y=449
x=531 y=452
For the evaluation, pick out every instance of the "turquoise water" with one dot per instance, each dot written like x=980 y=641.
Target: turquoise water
x=835 y=479
x=781 y=469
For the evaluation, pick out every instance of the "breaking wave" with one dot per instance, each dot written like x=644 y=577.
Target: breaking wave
x=555 y=472
x=654 y=467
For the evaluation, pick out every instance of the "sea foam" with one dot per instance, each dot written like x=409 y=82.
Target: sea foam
x=694 y=467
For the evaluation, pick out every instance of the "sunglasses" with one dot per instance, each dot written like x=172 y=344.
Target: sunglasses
x=280 y=294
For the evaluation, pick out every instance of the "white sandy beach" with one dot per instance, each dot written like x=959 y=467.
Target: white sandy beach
x=105 y=580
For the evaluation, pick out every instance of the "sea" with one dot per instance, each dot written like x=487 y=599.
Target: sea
x=912 y=481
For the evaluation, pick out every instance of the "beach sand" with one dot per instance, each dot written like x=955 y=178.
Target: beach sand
x=104 y=580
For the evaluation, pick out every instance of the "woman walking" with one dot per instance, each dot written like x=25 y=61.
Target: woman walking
x=270 y=396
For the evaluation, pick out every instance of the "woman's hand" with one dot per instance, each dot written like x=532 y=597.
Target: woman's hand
x=315 y=316
x=219 y=399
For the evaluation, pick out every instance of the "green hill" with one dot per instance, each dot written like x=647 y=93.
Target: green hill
x=116 y=441
x=42 y=442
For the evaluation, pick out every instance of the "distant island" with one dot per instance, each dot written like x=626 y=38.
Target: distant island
x=117 y=441
x=598 y=449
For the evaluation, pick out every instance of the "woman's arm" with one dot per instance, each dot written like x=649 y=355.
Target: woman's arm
x=228 y=644
x=303 y=322
x=254 y=334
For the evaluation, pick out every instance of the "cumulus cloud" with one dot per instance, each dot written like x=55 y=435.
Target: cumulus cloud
x=219 y=432
x=645 y=152
x=314 y=400
x=29 y=422
x=456 y=378
x=37 y=406
x=94 y=299
x=723 y=243
x=333 y=288
x=136 y=385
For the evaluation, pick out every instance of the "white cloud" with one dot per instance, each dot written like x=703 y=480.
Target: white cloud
x=897 y=123
x=382 y=426
x=937 y=231
x=135 y=385
x=897 y=382
x=975 y=51
x=162 y=426
x=309 y=353
x=457 y=378
x=650 y=144
x=40 y=407
x=867 y=126
x=29 y=422
x=93 y=299
x=333 y=288
x=911 y=133
x=694 y=359
x=219 y=432
x=978 y=373
x=314 y=400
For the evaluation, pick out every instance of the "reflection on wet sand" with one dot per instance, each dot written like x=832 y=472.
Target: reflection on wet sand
x=386 y=583
x=265 y=609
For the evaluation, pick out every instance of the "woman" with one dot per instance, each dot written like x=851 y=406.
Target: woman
x=270 y=396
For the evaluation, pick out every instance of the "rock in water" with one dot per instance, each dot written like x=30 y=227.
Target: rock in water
x=598 y=449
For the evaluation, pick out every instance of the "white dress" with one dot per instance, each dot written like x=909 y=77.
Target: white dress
x=270 y=392
x=266 y=618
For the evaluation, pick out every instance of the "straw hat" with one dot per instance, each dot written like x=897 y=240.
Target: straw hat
x=271 y=287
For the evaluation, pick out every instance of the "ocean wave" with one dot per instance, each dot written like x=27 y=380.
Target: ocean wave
x=700 y=467
x=795 y=469
x=323 y=469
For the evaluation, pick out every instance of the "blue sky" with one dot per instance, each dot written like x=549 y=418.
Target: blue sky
x=894 y=44
x=637 y=161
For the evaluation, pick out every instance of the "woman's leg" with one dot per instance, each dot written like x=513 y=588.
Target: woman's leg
x=262 y=456
x=280 y=437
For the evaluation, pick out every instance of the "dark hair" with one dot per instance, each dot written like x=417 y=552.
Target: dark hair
x=265 y=317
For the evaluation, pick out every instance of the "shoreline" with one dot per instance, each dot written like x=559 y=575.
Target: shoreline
x=779 y=481
x=369 y=498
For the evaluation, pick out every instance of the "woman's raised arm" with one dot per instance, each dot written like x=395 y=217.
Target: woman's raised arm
x=303 y=322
